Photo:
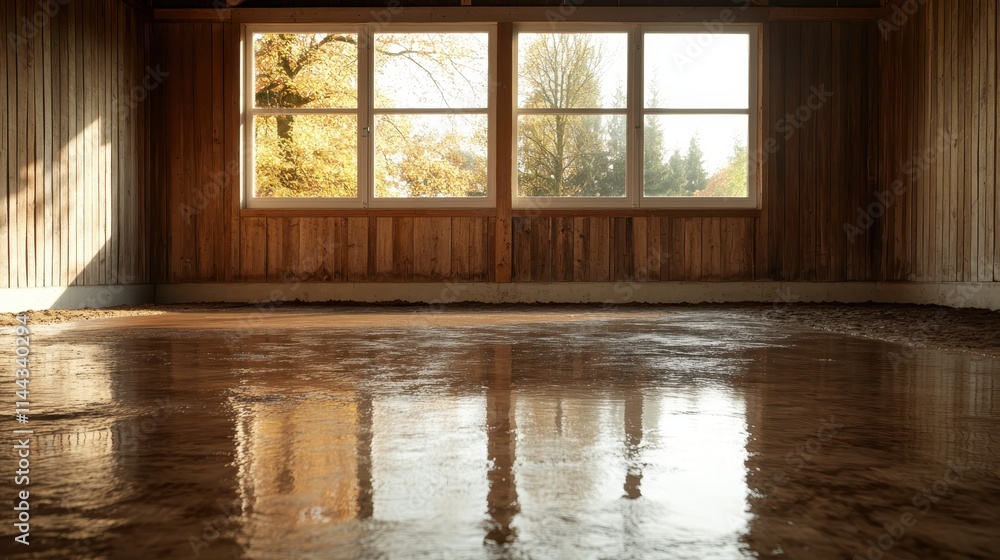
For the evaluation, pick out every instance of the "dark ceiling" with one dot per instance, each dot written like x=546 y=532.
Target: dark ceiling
x=434 y=3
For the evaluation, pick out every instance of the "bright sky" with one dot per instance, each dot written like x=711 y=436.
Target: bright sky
x=697 y=71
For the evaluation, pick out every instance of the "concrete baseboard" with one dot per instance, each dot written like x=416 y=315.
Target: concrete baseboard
x=14 y=300
x=979 y=295
x=985 y=295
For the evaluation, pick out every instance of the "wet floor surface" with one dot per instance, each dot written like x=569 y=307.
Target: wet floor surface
x=519 y=433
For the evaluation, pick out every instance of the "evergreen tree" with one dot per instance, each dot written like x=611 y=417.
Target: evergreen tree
x=695 y=176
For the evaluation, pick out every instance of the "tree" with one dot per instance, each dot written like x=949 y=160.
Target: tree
x=316 y=155
x=559 y=154
x=731 y=180
x=695 y=176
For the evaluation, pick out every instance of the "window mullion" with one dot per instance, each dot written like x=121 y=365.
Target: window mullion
x=634 y=120
x=366 y=119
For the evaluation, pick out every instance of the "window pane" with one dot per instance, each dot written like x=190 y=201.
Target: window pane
x=431 y=70
x=430 y=156
x=572 y=70
x=697 y=71
x=571 y=155
x=695 y=155
x=306 y=156
x=305 y=70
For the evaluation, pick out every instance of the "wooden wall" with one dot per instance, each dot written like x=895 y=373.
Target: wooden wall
x=820 y=171
x=73 y=144
x=940 y=112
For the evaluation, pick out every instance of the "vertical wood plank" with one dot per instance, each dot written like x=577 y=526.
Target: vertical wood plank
x=541 y=249
x=384 y=250
x=808 y=182
x=777 y=181
x=275 y=243
x=793 y=184
x=253 y=263
x=200 y=191
x=711 y=247
x=479 y=250
x=600 y=249
x=504 y=153
x=461 y=242
x=640 y=249
x=992 y=123
x=48 y=171
x=5 y=262
x=693 y=249
x=581 y=250
x=403 y=249
x=307 y=262
x=357 y=249
x=521 y=229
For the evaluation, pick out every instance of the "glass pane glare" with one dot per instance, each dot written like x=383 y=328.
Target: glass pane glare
x=571 y=155
x=419 y=156
x=695 y=155
x=431 y=70
x=697 y=70
x=310 y=70
x=572 y=70
x=306 y=156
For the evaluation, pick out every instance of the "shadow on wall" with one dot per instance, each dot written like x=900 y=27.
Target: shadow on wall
x=75 y=151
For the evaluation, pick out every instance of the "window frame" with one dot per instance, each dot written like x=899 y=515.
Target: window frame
x=636 y=112
x=366 y=115
x=560 y=202
x=751 y=201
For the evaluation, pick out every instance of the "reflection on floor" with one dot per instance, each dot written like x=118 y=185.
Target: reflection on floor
x=523 y=434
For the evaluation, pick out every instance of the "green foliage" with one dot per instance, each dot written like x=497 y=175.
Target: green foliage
x=731 y=180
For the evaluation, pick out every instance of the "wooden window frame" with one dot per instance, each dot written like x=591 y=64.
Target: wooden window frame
x=635 y=113
x=634 y=203
x=366 y=111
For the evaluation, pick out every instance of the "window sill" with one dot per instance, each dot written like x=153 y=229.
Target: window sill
x=366 y=212
x=639 y=212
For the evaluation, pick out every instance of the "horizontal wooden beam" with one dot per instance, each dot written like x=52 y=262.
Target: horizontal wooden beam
x=825 y=14
x=526 y=14
x=218 y=14
x=369 y=213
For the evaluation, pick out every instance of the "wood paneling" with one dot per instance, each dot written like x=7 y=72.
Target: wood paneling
x=821 y=170
x=939 y=178
x=74 y=143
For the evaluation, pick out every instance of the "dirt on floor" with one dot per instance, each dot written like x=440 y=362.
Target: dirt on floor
x=921 y=326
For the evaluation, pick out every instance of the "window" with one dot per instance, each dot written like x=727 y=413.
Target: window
x=369 y=117
x=571 y=113
x=688 y=97
x=402 y=115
